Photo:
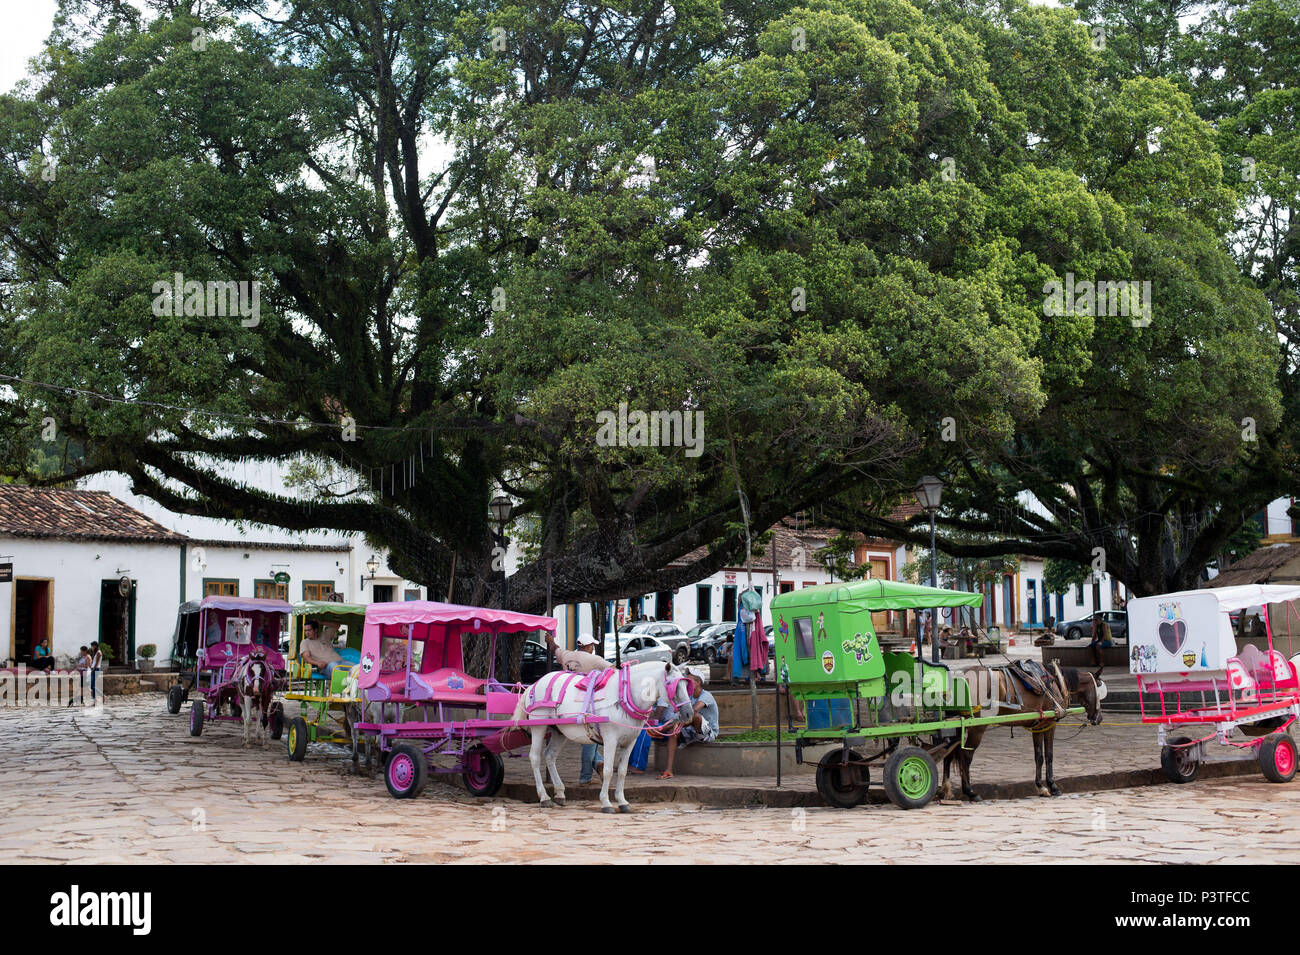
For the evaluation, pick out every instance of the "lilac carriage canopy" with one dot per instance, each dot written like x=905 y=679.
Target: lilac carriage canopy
x=267 y=616
x=439 y=626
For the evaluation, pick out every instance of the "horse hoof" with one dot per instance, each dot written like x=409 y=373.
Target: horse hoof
x=559 y=800
x=609 y=809
x=1043 y=792
x=546 y=804
x=1054 y=791
x=625 y=808
x=975 y=797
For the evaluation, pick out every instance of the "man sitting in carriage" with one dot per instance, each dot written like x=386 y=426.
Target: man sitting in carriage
x=320 y=653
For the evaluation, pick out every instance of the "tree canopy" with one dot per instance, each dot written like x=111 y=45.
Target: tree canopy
x=823 y=230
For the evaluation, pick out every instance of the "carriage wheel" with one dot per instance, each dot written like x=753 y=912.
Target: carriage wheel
x=277 y=720
x=1180 y=762
x=842 y=786
x=175 y=697
x=297 y=740
x=196 y=718
x=406 y=771
x=1277 y=758
x=911 y=777
x=484 y=771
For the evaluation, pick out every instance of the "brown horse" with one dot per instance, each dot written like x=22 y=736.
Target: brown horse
x=1066 y=687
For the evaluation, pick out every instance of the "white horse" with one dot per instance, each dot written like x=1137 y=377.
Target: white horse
x=626 y=701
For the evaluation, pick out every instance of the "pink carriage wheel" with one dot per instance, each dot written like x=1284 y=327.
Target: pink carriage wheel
x=406 y=771
x=484 y=771
x=1277 y=758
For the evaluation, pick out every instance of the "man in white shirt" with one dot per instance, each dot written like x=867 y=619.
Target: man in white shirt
x=581 y=660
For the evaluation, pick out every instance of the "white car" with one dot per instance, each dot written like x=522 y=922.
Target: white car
x=640 y=648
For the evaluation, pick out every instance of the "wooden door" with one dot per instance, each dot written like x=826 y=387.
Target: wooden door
x=880 y=620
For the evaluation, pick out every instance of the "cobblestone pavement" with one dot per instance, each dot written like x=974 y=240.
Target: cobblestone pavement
x=128 y=784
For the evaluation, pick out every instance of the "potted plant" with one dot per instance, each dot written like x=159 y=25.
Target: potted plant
x=146 y=653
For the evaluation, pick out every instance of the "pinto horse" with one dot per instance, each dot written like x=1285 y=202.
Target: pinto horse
x=625 y=697
x=255 y=683
x=1066 y=686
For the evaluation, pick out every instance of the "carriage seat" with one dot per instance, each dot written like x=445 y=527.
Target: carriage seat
x=446 y=685
x=1250 y=670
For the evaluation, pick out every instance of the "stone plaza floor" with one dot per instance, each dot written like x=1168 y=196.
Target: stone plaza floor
x=127 y=783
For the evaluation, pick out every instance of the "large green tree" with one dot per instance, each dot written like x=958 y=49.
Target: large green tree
x=1177 y=426
x=480 y=229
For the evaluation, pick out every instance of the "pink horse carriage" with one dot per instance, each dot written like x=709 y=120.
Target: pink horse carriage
x=420 y=704
x=1182 y=649
x=232 y=645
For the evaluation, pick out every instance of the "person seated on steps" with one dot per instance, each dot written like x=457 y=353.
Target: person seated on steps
x=42 y=659
x=703 y=727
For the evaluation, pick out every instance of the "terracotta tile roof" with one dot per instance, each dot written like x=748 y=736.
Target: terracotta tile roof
x=69 y=514
x=1279 y=564
x=787 y=534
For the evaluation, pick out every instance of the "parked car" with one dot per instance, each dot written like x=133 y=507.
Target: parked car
x=705 y=646
x=534 y=664
x=694 y=633
x=718 y=650
x=1077 y=629
x=640 y=648
x=669 y=633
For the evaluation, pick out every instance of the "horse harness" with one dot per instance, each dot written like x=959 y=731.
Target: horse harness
x=1037 y=679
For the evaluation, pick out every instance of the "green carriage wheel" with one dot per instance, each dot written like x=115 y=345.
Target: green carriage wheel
x=842 y=786
x=911 y=778
x=296 y=741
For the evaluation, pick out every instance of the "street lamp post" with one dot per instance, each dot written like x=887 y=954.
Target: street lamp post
x=499 y=509
x=928 y=492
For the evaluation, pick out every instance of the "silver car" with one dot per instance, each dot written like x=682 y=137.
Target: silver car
x=640 y=648
x=668 y=634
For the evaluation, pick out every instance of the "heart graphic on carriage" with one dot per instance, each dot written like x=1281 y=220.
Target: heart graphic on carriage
x=1172 y=635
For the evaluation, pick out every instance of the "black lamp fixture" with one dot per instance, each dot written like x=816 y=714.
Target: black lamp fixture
x=500 y=507
x=372 y=565
x=929 y=491
x=828 y=558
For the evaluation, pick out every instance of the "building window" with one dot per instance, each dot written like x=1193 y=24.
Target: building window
x=1078 y=595
x=703 y=603
x=220 y=587
x=411 y=593
x=803 y=635
x=728 y=603
x=664 y=605
x=270 y=590
x=317 y=589
x=787 y=586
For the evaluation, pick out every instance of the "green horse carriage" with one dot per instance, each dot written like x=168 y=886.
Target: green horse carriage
x=328 y=706
x=870 y=704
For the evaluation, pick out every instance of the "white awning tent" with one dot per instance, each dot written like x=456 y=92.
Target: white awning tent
x=1242 y=596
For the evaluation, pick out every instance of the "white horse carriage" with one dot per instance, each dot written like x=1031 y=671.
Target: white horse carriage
x=1182 y=649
